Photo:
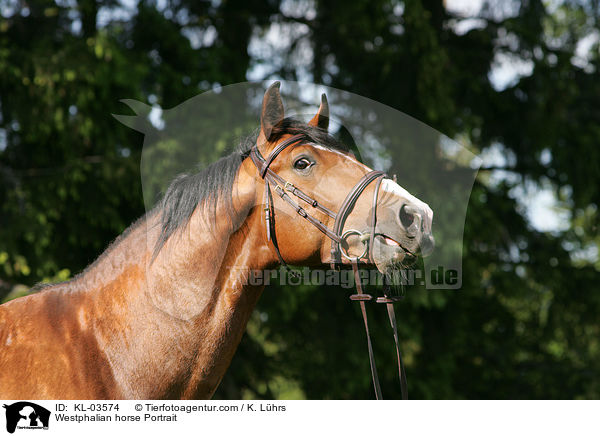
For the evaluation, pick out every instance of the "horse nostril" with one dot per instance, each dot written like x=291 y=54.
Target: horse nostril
x=407 y=216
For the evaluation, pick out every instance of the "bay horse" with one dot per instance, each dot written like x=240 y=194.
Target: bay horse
x=160 y=314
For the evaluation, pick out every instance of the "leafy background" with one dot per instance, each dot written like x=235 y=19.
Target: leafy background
x=516 y=82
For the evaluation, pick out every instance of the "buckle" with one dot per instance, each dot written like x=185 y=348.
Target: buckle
x=288 y=186
x=361 y=297
x=389 y=299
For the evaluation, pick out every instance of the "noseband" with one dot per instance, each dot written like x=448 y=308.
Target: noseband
x=282 y=187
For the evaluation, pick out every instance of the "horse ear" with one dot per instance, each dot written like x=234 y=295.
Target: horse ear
x=321 y=119
x=272 y=112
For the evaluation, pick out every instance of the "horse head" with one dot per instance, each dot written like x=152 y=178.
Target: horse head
x=351 y=213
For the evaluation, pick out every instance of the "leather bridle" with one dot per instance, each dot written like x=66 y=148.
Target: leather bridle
x=282 y=187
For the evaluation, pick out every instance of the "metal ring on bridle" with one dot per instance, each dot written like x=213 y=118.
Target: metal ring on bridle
x=344 y=236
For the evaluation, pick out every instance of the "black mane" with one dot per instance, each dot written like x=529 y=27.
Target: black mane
x=206 y=187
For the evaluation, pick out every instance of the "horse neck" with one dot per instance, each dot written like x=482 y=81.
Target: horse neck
x=177 y=319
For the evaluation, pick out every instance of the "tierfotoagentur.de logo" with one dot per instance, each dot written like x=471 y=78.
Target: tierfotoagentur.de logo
x=26 y=416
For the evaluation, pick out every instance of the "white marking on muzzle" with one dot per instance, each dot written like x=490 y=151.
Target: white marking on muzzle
x=407 y=198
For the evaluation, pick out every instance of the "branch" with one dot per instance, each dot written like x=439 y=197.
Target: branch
x=496 y=168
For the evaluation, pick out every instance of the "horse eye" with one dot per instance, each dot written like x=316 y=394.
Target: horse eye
x=302 y=164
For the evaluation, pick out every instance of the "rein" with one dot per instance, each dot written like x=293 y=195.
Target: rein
x=282 y=188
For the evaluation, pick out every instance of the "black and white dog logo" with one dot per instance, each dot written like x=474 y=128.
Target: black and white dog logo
x=26 y=415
